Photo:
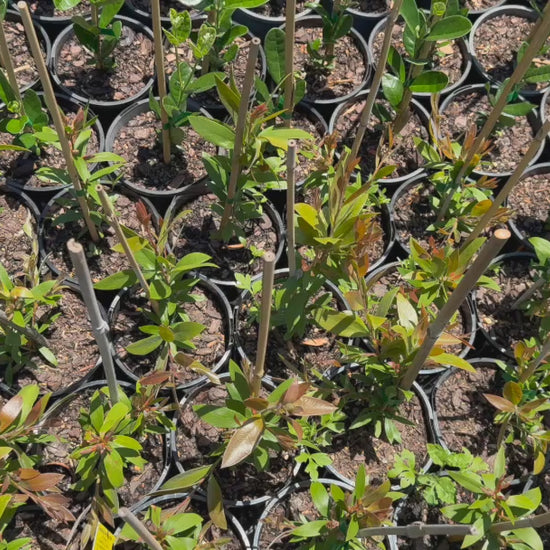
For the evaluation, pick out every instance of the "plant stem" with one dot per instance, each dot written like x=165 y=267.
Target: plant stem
x=536 y=40
x=268 y=278
x=94 y=12
x=417 y=530
x=290 y=31
x=513 y=180
x=377 y=79
x=212 y=19
x=29 y=332
x=139 y=528
x=528 y=293
x=49 y=98
x=99 y=325
x=290 y=200
x=113 y=221
x=161 y=79
x=7 y=63
x=531 y=369
x=329 y=47
x=470 y=278
x=239 y=132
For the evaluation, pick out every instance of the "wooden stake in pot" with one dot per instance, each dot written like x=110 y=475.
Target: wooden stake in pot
x=265 y=317
x=51 y=103
x=239 y=132
x=290 y=200
x=161 y=79
x=99 y=325
x=470 y=278
x=138 y=526
x=290 y=31
x=6 y=61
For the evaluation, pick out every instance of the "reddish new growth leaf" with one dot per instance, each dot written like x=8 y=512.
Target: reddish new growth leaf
x=143 y=215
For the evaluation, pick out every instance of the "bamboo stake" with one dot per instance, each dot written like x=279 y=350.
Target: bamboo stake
x=377 y=79
x=290 y=201
x=513 y=180
x=470 y=278
x=7 y=62
x=536 y=521
x=161 y=79
x=417 y=530
x=138 y=527
x=113 y=221
x=99 y=325
x=290 y=31
x=51 y=103
x=265 y=316
x=32 y=334
x=536 y=40
x=239 y=132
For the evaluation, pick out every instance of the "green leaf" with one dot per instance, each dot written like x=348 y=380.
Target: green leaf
x=448 y=359
x=346 y=324
x=518 y=109
x=430 y=82
x=144 y=346
x=126 y=278
x=393 y=89
x=113 y=417
x=395 y=61
x=213 y=131
x=112 y=463
x=310 y=529
x=63 y=5
x=247 y=4
x=243 y=442
x=468 y=480
x=215 y=503
x=530 y=537
x=279 y=137
x=453 y=26
x=194 y=260
x=184 y=480
x=219 y=417
x=320 y=497
x=410 y=13
x=542 y=249
x=275 y=54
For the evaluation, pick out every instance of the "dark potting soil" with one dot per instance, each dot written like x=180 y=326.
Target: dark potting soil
x=276 y=8
x=196 y=440
x=19 y=167
x=360 y=446
x=46 y=8
x=504 y=324
x=374 y=6
x=23 y=62
x=102 y=261
x=15 y=245
x=530 y=203
x=71 y=340
x=349 y=66
x=509 y=144
x=140 y=144
x=497 y=42
x=165 y=7
x=403 y=155
x=134 y=67
x=210 y=345
x=193 y=234
x=447 y=58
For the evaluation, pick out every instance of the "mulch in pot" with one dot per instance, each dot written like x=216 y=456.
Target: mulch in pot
x=210 y=345
x=193 y=234
x=403 y=155
x=102 y=261
x=15 y=245
x=347 y=75
x=496 y=43
x=495 y=314
x=71 y=340
x=478 y=5
x=276 y=8
x=134 y=67
x=509 y=144
x=140 y=144
x=378 y=7
x=46 y=8
x=196 y=440
x=165 y=7
x=530 y=203
x=447 y=58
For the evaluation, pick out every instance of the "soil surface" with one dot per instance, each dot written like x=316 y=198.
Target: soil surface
x=193 y=234
x=478 y=5
x=102 y=261
x=134 y=68
x=140 y=144
x=509 y=144
x=71 y=340
x=46 y=8
x=530 y=202
x=495 y=314
x=196 y=441
x=210 y=345
x=276 y=8
x=497 y=42
x=15 y=245
x=447 y=59
x=347 y=75
x=378 y=7
x=403 y=155
x=165 y=7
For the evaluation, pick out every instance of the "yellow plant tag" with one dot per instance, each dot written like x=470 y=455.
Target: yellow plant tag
x=104 y=539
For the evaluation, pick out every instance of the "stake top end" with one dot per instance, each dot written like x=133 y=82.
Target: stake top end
x=256 y=41
x=502 y=234
x=269 y=257
x=73 y=246
x=291 y=143
x=21 y=5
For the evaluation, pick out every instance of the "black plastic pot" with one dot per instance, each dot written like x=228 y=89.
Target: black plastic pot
x=14 y=16
x=192 y=192
x=326 y=106
x=170 y=501
x=43 y=194
x=466 y=62
x=53 y=25
x=389 y=184
x=521 y=238
x=518 y=11
x=279 y=274
x=223 y=304
x=103 y=108
x=187 y=401
x=532 y=117
x=523 y=257
x=44 y=220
